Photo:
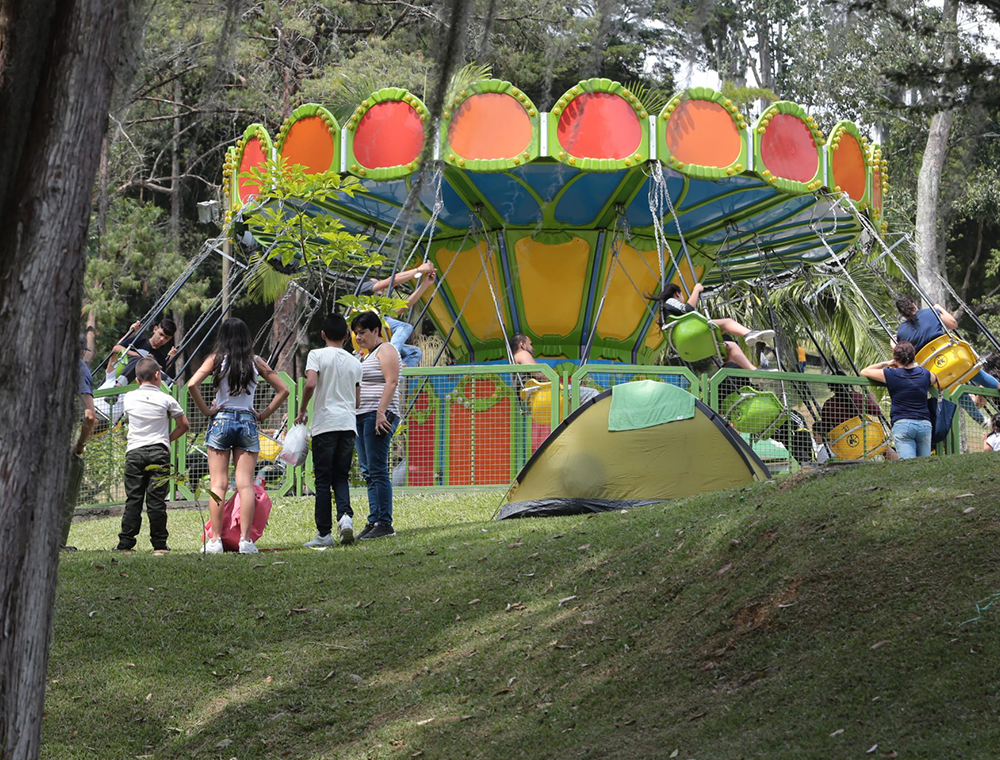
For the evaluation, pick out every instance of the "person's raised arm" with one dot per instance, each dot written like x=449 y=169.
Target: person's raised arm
x=312 y=376
x=695 y=294
x=388 y=359
x=876 y=371
x=947 y=318
x=425 y=284
x=275 y=381
x=382 y=285
x=194 y=386
x=88 y=424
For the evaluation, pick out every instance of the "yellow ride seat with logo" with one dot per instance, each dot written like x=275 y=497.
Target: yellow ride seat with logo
x=953 y=360
x=538 y=396
x=860 y=437
x=693 y=337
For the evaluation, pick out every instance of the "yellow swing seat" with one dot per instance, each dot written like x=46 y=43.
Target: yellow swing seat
x=693 y=337
x=269 y=447
x=954 y=361
x=538 y=396
x=861 y=437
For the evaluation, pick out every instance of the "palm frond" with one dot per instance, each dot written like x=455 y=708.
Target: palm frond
x=465 y=77
x=266 y=284
x=348 y=94
x=653 y=99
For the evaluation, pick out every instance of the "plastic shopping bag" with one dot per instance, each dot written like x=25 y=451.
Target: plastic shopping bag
x=296 y=447
x=231 y=519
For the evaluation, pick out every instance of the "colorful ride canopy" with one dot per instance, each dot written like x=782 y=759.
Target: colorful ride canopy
x=545 y=216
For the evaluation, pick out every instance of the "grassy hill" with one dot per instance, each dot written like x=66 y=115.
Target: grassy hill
x=813 y=618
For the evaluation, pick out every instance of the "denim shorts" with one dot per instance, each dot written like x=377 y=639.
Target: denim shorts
x=233 y=429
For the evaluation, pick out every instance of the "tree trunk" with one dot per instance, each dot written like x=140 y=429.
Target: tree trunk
x=975 y=261
x=930 y=245
x=58 y=66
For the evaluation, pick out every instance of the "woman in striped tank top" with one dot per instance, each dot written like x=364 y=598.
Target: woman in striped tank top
x=378 y=418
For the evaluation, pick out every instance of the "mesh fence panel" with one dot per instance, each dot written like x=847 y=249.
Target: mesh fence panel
x=595 y=378
x=104 y=456
x=976 y=407
x=794 y=420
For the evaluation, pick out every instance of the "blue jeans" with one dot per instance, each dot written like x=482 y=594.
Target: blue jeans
x=984 y=380
x=373 y=456
x=401 y=332
x=912 y=438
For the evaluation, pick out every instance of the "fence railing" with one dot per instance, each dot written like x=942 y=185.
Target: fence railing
x=476 y=426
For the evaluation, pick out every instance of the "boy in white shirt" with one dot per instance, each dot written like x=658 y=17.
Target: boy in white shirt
x=147 y=456
x=334 y=376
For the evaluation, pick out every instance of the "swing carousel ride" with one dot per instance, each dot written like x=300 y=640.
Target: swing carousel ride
x=559 y=225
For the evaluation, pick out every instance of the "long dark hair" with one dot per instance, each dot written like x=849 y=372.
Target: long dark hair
x=234 y=357
x=670 y=290
x=995 y=424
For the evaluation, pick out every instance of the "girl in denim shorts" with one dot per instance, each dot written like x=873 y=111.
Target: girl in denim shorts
x=232 y=425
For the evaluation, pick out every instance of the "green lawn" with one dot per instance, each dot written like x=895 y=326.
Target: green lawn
x=814 y=618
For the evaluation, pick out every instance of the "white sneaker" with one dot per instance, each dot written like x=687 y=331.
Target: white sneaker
x=212 y=546
x=247 y=547
x=320 y=542
x=346 y=529
x=759 y=336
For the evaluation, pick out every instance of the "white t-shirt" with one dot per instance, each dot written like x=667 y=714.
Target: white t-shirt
x=149 y=410
x=993 y=441
x=244 y=400
x=338 y=374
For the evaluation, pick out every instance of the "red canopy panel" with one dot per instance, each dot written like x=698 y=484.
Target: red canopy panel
x=788 y=150
x=253 y=157
x=599 y=125
x=703 y=132
x=490 y=125
x=389 y=134
x=310 y=144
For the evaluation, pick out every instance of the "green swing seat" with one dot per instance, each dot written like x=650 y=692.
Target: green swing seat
x=693 y=337
x=754 y=412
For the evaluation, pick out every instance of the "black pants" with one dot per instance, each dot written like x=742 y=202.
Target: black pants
x=332 y=456
x=149 y=485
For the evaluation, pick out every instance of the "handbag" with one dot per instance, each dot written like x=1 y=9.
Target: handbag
x=942 y=412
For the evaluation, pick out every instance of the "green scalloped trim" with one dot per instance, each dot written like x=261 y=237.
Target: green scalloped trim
x=849 y=127
x=254 y=130
x=879 y=168
x=788 y=185
x=598 y=164
x=308 y=110
x=385 y=95
x=491 y=164
x=229 y=181
x=552 y=237
x=695 y=170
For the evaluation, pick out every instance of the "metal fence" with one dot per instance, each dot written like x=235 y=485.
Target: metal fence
x=476 y=426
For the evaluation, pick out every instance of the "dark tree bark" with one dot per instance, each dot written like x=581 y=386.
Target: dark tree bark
x=58 y=64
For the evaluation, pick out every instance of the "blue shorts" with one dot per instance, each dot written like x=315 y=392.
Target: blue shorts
x=233 y=429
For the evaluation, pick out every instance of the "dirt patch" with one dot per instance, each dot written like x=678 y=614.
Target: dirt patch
x=760 y=613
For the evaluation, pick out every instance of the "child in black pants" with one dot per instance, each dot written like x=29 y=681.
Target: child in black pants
x=147 y=455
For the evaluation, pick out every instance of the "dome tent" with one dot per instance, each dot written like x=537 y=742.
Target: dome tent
x=633 y=445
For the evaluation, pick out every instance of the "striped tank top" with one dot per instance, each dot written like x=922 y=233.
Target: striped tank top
x=373 y=382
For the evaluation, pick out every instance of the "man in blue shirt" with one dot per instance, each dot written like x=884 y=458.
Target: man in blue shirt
x=921 y=326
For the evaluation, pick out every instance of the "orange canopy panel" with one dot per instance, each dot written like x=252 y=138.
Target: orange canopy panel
x=849 y=167
x=553 y=280
x=310 y=144
x=599 y=125
x=703 y=132
x=467 y=279
x=633 y=276
x=253 y=157
x=389 y=134
x=490 y=125
x=788 y=150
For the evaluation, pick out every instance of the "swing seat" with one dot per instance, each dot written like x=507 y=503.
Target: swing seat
x=538 y=396
x=954 y=361
x=269 y=447
x=693 y=337
x=386 y=330
x=861 y=437
x=754 y=412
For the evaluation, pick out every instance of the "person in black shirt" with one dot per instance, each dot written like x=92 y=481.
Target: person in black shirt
x=157 y=345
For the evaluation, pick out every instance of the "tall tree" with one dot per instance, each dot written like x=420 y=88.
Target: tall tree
x=58 y=66
x=930 y=240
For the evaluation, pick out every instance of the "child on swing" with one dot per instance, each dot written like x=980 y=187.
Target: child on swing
x=671 y=305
